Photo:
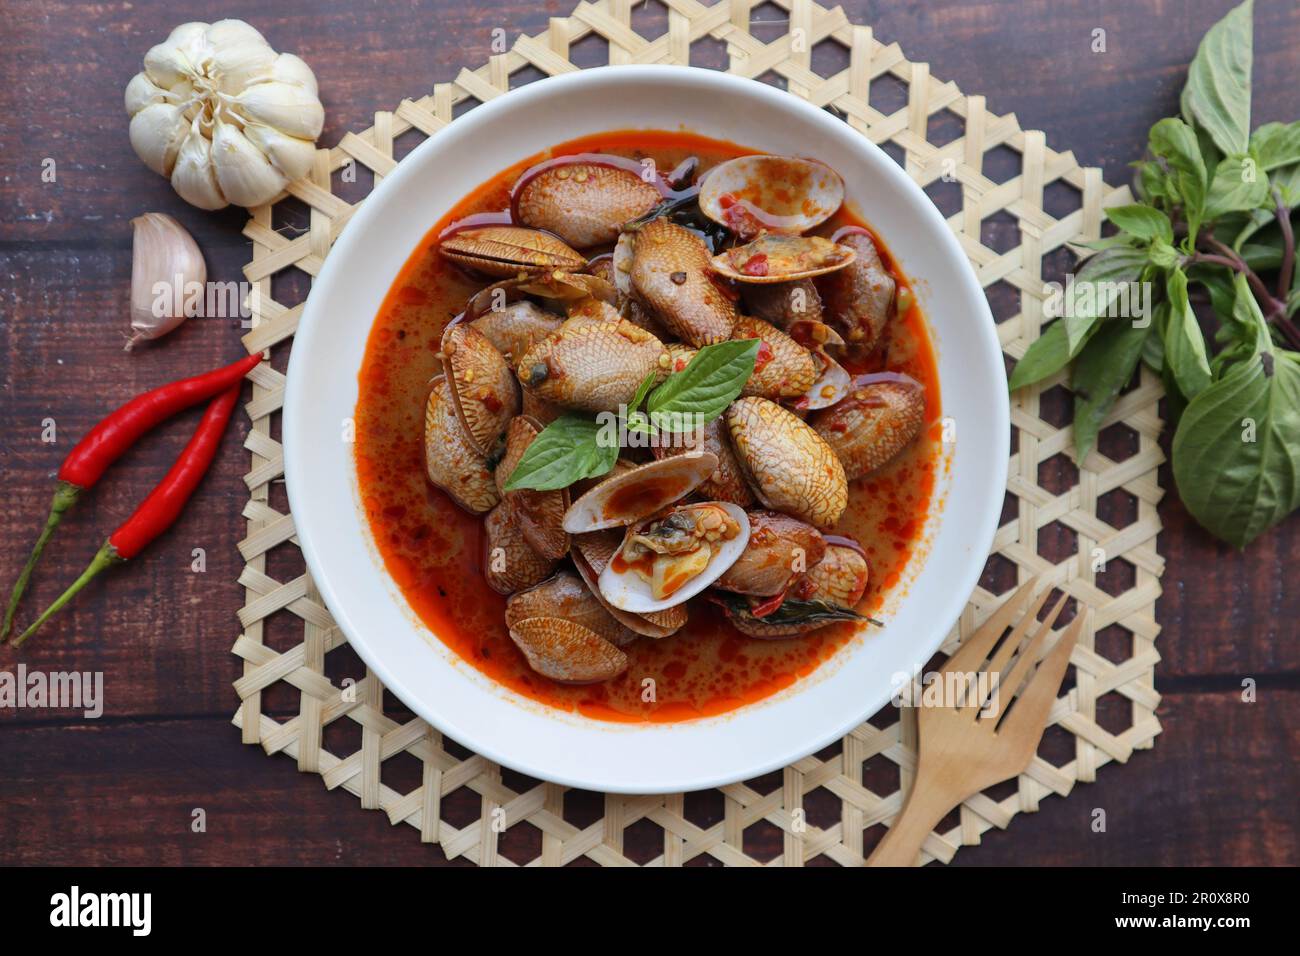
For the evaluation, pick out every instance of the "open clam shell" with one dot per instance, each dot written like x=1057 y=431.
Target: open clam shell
x=625 y=589
x=639 y=492
x=566 y=651
x=833 y=384
x=753 y=194
x=591 y=554
x=484 y=389
x=508 y=250
x=779 y=258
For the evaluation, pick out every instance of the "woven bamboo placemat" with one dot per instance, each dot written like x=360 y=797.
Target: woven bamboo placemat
x=1014 y=203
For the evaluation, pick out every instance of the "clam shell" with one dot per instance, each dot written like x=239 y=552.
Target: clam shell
x=482 y=385
x=881 y=415
x=567 y=652
x=751 y=194
x=840 y=578
x=832 y=385
x=783 y=369
x=584 y=203
x=509 y=562
x=516 y=326
x=784 y=303
x=790 y=467
x=450 y=460
x=778 y=258
x=779 y=550
x=860 y=298
x=670 y=276
x=508 y=250
x=628 y=592
x=591 y=365
x=564 y=595
x=591 y=554
x=727 y=481
x=638 y=492
x=540 y=513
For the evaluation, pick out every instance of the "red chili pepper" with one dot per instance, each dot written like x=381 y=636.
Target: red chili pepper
x=158 y=511
x=110 y=439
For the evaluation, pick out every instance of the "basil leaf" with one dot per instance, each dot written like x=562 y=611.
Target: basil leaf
x=1153 y=346
x=1099 y=285
x=1175 y=142
x=1236 y=454
x=701 y=392
x=1142 y=221
x=1276 y=144
x=642 y=391
x=1287 y=180
x=1239 y=185
x=1105 y=366
x=567 y=450
x=1184 y=344
x=1046 y=355
x=1217 y=94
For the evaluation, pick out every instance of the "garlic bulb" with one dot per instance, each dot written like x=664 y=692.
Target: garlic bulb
x=167 y=276
x=224 y=116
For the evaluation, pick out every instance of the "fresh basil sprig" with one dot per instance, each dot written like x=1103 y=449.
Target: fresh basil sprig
x=572 y=447
x=1216 y=221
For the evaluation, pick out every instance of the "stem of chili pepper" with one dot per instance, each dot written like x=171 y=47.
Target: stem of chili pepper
x=158 y=511
x=110 y=439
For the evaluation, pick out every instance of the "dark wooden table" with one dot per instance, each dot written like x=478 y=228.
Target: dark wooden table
x=1220 y=786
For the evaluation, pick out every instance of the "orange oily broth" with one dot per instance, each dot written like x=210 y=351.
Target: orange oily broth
x=434 y=551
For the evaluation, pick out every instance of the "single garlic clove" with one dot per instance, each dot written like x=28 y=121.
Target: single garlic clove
x=142 y=92
x=245 y=175
x=165 y=261
x=290 y=155
x=180 y=56
x=291 y=69
x=156 y=133
x=288 y=107
x=194 y=178
x=240 y=55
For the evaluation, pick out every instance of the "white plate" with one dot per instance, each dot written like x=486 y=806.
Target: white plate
x=322 y=394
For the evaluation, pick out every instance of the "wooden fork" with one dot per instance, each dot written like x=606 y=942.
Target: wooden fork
x=962 y=751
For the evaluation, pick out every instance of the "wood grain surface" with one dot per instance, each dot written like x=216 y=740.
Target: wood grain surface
x=1219 y=787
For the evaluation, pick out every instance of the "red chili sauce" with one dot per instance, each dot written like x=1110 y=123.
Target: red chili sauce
x=434 y=550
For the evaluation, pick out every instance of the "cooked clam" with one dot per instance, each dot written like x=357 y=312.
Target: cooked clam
x=783 y=367
x=516 y=326
x=780 y=549
x=450 y=460
x=482 y=385
x=670 y=275
x=840 y=578
x=540 y=513
x=753 y=194
x=564 y=595
x=591 y=365
x=860 y=298
x=667 y=560
x=509 y=562
x=591 y=555
x=726 y=482
x=508 y=250
x=583 y=200
x=566 y=651
x=632 y=494
x=778 y=258
x=784 y=303
x=832 y=385
x=880 y=416
x=790 y=467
